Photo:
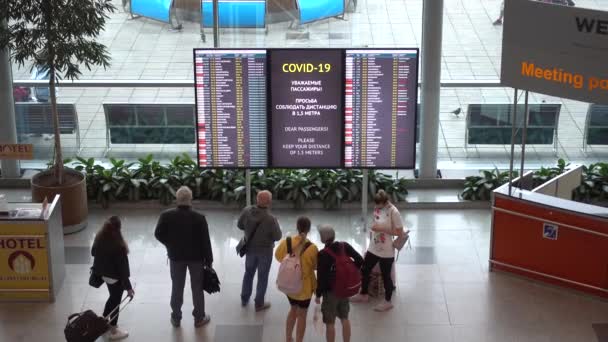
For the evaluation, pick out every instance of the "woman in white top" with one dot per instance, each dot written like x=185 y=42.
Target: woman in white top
x=387 y=224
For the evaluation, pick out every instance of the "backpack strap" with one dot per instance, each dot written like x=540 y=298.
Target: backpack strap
x=306 y=245
x=332 y=253
x=289 y=248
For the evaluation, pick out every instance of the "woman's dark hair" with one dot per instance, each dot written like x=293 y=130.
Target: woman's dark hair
x=303 y=225
x=110 y=233
x=381 y=197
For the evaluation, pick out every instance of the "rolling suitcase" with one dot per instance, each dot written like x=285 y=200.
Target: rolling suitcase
x=86 y=326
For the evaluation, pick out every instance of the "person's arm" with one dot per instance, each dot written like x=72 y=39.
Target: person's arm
x=161 y=230
x=397 y=226
x=323 y=272
x=206 y=243
x=241 y=222
x=124 y=271
x=351 y=252
x=315 y=257
x=281 y=251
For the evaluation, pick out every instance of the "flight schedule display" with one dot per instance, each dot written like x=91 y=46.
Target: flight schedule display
x=306 y=108
x=380 y=108
x=230 y=88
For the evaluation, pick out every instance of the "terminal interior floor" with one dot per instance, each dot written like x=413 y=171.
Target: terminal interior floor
x=444 y=290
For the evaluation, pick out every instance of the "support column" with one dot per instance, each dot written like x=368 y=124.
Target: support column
x=8 y=131
x=364 y=200
x=216 y=24
x=432 y=29
x=248 y=187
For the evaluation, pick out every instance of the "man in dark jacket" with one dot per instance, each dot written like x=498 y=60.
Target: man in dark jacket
x=333 y=306
x=185 y=234
x=262 y=231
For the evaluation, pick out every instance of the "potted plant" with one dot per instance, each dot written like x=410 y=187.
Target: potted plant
x=57 y=37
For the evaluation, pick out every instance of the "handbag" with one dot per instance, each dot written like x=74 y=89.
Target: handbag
x=241 y=247
x=211 y=282
x=95 y=280
x=400 y=241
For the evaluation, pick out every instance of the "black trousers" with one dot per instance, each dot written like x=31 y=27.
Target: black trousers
x=386 y=265
x=116 y=290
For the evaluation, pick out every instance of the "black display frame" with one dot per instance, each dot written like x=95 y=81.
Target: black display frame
x=416 y=103
x=198 y=155
x=269 y=109
x=268 y=117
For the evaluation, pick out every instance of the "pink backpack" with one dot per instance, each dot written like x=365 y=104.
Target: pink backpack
x=348 y=277
x=289 y=279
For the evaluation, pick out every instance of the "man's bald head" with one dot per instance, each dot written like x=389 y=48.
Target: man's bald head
x=264 y=198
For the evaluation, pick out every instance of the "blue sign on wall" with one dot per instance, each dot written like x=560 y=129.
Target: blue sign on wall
x=550 y=231
x=313 y=10
x=154 y=9
x=236 y=13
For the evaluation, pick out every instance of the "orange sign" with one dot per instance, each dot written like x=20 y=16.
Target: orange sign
x=17 y=151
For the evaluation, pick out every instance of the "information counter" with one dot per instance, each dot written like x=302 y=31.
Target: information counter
x=32 y=262
x=554 y=240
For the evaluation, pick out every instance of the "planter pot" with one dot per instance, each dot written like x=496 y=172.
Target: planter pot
x=74 y=208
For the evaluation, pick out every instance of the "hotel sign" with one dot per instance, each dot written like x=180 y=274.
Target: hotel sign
x=556 y=50
x=24 y=261
x=16 y=151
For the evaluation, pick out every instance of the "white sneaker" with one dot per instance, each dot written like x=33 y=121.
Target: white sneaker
x=117 y=334
x=384 y=306
x=360 y=298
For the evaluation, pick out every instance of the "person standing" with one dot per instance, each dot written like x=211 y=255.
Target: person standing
x=262 y=230
x=300 y=302
x=185 y=234
x=111 y=262
x=386 y=225
x=333 y=306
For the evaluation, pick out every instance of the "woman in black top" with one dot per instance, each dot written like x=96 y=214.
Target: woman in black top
x=111 y=262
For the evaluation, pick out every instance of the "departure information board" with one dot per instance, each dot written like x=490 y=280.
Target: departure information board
x=230 y=91
x=306 y=114
x=380 y=108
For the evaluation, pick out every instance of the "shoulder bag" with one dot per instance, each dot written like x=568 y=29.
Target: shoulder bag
x=95 y=280
x=401 y=240
x=241 y=247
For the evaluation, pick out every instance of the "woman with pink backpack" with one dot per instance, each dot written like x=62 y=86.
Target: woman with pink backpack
x=296 y=278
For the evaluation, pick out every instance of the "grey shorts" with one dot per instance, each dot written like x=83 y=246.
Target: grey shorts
x=333 y=307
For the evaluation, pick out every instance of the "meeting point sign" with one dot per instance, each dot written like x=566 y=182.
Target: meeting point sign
x=556 y=50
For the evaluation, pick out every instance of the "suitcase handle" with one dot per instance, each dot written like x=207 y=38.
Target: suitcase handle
x=118 y=309
x=72 y=316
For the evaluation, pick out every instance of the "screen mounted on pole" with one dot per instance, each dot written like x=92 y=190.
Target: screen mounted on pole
x=230 y=91
x=381 y=93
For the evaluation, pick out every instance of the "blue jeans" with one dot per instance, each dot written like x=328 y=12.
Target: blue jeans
x=260 y=263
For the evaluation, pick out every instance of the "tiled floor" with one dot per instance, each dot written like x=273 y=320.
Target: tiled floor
x=147 y=50
x=444 y=290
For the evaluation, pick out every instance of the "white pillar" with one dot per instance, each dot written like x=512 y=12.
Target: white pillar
x=8 y=131
x=432 y=29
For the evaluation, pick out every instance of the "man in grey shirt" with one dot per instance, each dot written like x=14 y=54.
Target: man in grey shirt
x=259 y=248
